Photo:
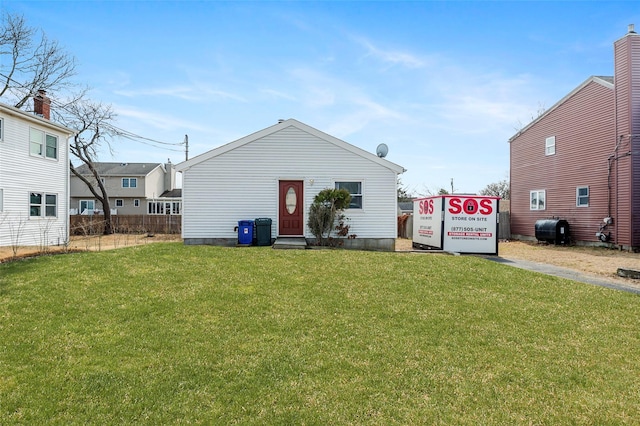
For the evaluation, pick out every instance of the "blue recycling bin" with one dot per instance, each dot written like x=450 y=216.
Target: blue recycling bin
x=245 y=232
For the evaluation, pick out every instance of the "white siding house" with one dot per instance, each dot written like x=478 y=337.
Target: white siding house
x=34 y=179
x=251 y=177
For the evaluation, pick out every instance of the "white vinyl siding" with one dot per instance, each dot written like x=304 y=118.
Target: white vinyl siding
x=22 y=173
x=242 y=183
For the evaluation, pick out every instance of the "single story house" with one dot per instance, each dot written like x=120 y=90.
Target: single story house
x=276 y=173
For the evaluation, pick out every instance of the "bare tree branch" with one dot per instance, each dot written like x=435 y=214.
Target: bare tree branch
x=29 y=62
x=93 y=122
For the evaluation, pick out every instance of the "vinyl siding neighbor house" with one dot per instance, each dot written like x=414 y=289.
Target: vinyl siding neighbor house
x=133 y=188
x=34 y=177
x=580 y=160
x=276 y=173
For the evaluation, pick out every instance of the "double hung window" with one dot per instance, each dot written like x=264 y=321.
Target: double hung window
x=537 y=200
x=355 y=189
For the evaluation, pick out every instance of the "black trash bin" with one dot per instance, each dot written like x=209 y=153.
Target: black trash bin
x=263 y=231
x=555 y=231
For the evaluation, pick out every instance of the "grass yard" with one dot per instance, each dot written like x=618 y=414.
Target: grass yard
x=166 y=333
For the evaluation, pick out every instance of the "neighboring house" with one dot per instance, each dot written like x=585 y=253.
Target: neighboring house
x=276 y=173
x=34 y=177
x=133 y=188
x=580 y=160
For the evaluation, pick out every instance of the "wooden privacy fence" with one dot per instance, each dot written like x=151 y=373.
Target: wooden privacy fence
x=126 y=224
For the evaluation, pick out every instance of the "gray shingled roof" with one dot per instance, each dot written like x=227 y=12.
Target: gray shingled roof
x=607 y=78
x=173 y=193
x=120 y=169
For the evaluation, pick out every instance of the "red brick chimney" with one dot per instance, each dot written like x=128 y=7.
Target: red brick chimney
x=42 y=105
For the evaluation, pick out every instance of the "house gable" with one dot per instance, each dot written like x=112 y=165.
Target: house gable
x=582 y=128
x=279 y=127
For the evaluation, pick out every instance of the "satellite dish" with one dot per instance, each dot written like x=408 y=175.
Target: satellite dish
x=382 y=150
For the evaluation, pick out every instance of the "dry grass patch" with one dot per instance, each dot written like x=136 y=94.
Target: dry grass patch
x=88 y=243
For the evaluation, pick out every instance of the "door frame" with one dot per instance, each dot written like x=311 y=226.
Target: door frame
x=301 y=203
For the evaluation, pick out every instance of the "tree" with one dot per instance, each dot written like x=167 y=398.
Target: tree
x=403 y=193
x=93 y=123
x=325 y=209
x=30 y=62
x=497 y=189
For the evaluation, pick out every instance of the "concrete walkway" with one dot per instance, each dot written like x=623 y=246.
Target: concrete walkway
x=569 y=274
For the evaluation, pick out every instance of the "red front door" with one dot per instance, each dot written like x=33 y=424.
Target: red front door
x=290 y=209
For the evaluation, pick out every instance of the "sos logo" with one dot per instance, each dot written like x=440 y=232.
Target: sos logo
x=425 y=207
x=470 y=206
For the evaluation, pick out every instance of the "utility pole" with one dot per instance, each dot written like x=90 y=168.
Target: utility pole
x=451 y=185
x=186 y=147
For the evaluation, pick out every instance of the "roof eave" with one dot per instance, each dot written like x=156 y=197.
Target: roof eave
x=592 y=79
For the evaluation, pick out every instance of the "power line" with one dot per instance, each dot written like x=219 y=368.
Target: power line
x=119 y=131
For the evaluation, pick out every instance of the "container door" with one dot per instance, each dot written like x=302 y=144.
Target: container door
x=290 y=208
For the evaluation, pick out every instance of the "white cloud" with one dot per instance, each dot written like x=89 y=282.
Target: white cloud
x=158 y=120
x=392 y=57
x=196 y=93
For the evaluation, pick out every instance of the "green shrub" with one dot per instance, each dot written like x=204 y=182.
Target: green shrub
x=326 y=208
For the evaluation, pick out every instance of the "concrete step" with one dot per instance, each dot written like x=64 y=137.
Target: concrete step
x=295 y=243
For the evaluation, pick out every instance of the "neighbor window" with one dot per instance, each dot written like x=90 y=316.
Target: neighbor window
x=87 y=205
x=550 y=146
x=582 y=196
x=164 y=207
x=1 y=198
x=1 y=129
x=355 y=189
x=136 y=203
x=129 y=182
x=43 y=144
x=43 y=204
x=537 y=200
x=119 y=203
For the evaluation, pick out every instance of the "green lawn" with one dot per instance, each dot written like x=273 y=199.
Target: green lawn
x=167 y=333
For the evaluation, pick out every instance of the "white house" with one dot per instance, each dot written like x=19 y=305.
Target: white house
x=276 y=173
x=34 y=177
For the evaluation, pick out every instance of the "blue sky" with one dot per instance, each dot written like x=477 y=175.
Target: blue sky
x=444 y=84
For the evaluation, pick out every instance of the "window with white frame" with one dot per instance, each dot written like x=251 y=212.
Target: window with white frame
x=157 y=207
x=550 y=145
x=1 y=198
x=87 y=205
x=129 y=182
x=355 y=189
x=43 y=144
x=136 y=203
x=1 y=129
x=119 y=202
x=537 y=200
x=43 y=205
x=582 y=196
